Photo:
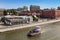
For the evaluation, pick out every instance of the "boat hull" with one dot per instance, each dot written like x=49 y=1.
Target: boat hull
x=33 y=34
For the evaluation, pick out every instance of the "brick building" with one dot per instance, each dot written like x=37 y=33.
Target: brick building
x=57 y=13
x=50 y=13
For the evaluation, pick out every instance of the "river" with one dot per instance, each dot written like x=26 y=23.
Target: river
x=49 y=32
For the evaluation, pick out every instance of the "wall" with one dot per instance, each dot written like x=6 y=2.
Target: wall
x=57 y=13
x=48 y=14
x=1 y=13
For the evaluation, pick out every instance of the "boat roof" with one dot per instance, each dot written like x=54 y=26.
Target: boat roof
x=8 y=16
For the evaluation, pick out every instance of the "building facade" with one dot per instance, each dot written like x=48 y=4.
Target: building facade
x=50 y=14
x=25 y=8
x=1 y=12
x=34 y=8
x=57 y=13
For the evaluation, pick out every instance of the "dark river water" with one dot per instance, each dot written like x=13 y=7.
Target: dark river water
x=48 y=32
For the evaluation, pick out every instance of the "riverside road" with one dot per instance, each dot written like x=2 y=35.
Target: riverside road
x=21 y=26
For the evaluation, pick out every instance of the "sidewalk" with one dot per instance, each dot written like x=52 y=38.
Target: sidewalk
x=15 y=27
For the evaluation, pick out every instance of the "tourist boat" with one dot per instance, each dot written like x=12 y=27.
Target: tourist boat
x=34 y=32
x=6 y=21
x=11 y=20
